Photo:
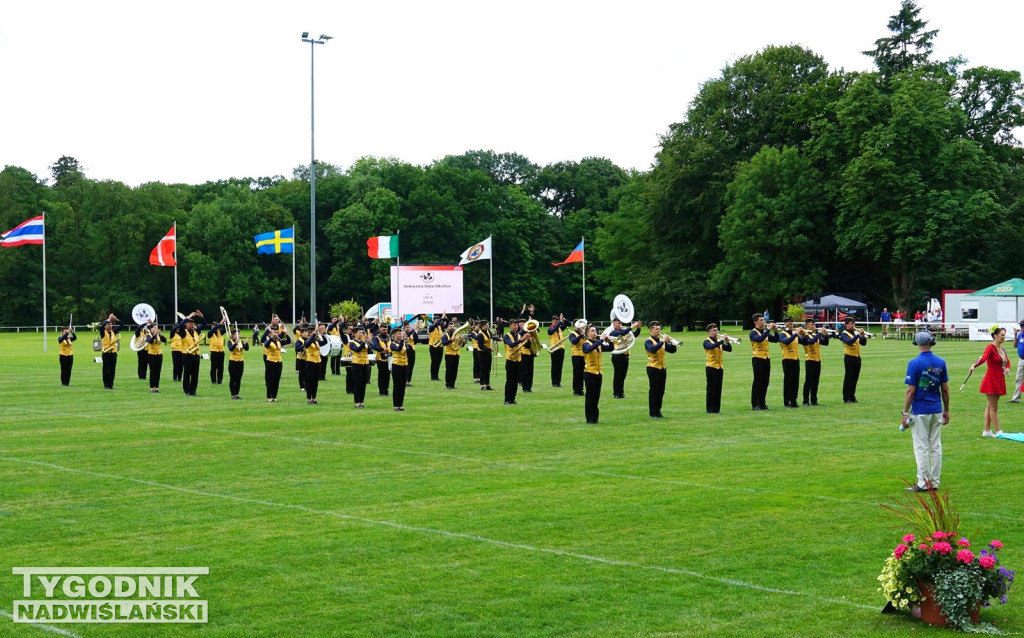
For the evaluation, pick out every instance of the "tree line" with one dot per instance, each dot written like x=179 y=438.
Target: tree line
x=783 y=178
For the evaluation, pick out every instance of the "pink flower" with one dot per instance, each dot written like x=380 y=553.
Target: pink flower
x=963 y=542
x=909 y=538
x=939 y=535
x=988 y=562
x=925 y=548
x=965 y=556
x=900 y=551
x=942 y=547
x=995 y=545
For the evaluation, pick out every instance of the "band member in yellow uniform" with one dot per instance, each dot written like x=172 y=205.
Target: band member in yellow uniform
x=656 y=345
x=471 y=344
x=346 y=353
x=515 y=342
x=452 y=350
x=381 y=344
x=155 y=357
x=411 y=339
x=577 y=338
x=852 y=340
x=483 y=346
x=399 y=346
x=190 y=335
x=713 y=368
x=141 y=354
x=236 y=362
x=110 y=329
x=67 y=354
x=620 y=362
x=215 y=337
x=311 y=340
x=300 y=355
x=360 y=366
x=761 y=361
x=592 y=349
x=790 y=363
x=176 y=349
x=274 y=337
x=812 y=340
x=555 y=334
x=435 y=332
x=337 y=328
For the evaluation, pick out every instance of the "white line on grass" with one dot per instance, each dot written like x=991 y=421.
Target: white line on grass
x=448 y=534
x=39 y=625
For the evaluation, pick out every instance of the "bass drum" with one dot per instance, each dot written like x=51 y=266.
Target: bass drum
x=332 y=348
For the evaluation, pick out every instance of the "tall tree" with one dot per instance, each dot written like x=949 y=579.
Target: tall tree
x=909 y=46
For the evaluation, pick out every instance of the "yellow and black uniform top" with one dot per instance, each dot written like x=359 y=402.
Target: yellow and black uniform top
x=451 y=344
x=576 y=338
x=381 y=344
x=399 y=352
x=656 y=349
x=64 y=341
x=237 y=350
x=410 y=339
x=483 y=340
x=109 y=337
x=311 y=346
x=852 y=342
x=621 y=331
x=592 y=355
x=272 y=347
x=812 y=343
x=190 y=342
x=216 y=338
x=300 y=353
x=555 y=333
x=435 y=332
x=346 y=351
x=513 y=347
x=155 y=346
x=713 y=349
x=176 y=342
x=360 y=352
x=759 y=340
x=789 y=344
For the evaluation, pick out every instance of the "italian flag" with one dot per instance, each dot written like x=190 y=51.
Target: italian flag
x=383 y=247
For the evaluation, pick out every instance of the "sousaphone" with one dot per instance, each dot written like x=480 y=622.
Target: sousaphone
x=622 y=309
x=142 y=314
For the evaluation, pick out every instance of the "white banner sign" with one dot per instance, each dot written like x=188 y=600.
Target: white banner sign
x=427 y=289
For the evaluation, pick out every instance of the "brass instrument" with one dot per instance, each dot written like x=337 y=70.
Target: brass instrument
x=672 y=340
x=140 y=341
x=730 y=339
x=558 y=345
x=457 y=335
x=532 y=326
x=113 y=345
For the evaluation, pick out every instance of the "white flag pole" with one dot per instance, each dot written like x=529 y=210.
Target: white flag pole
x=293 y=274
x=490 y=325
x=44 y=282
x=583 y=239
x=398 y=285
x=175 y=318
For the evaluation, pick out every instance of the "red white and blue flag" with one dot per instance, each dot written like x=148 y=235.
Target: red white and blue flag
x=27 y=232
x=575 y=256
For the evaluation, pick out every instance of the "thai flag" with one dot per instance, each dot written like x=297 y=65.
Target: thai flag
x=27 y=232
x=575 y=256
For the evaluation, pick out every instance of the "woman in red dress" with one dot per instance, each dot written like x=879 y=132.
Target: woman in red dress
x=993 y=385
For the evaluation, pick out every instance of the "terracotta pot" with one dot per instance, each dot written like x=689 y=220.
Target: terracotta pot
x=931 y=610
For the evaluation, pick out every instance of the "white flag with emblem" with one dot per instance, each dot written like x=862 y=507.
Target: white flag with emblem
x=477 y=252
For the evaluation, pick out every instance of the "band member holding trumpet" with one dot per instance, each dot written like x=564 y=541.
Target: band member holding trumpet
x=176 y=349
x=761 y=361
x=300 y=354
x=236 y=362
x=515 y=341
x=620 y=362
x=483 y=346
x=592 y=349
x=657 y=345
x=110 y=329
x=155 y=357
x=310 y=341
x=452 y=349
x=381 y=344
x=215 y=338
x=274 y=337
x=714 y=347
x=528 y=324
x=67 y=354
x=556 y=348
x=360 y=369
x=411 y=338
x=399 y=346
x=852 y=339
x=435 y=332
x=190 y=334
x=790 y=362
x=142 y=354
x=812 y=340
x=577 y=338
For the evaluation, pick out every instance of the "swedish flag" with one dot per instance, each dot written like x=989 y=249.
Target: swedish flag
x=279 y=241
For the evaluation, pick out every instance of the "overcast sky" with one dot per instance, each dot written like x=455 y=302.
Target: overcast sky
x=194 y=91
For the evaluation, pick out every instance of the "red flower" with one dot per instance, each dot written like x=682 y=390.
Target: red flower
x=900 y=551
x=963 y=542
x=925 y=548
x=942 y=547
x=909 y=538
x=988 y=562
x=995 y=545
x=965 y=556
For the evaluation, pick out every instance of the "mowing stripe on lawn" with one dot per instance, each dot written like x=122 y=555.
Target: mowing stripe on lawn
x=39 y=625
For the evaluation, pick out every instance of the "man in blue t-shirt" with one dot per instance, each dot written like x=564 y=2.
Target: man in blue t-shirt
x=1018 y=339
x=926 y=410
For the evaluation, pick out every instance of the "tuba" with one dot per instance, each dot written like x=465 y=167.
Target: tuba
x=622 y=309
x=458 y=333
x=533 y=326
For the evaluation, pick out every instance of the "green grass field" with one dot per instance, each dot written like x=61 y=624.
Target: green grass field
x=465 y=517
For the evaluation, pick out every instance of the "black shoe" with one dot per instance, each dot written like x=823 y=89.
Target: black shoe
x=510 y=403
x=814 y=403
x=578 y=394
x=756 y=408
x=807 y=403
x=764 y=407
x=661 y=416
x=556 y=385
x=619 y=396
x=384 y=394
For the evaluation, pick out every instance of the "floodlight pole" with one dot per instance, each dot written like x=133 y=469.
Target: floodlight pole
x=312 y=170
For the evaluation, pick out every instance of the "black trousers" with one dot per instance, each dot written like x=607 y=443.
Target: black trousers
x=312 y=372
x=511 y=380
x=526 y=372
x=451 y=370
x=67 y=361
x=656 y=394
x=272 y=376
x=336 y=364
x=476 y=365
x=359 y=372
x=400 y=374
x=790 y=381
x=141 y=355
x=759 y=386
x=486 y=360
x=620 y=366
x=812 y=374
x=109 y=368
x=189 y=372
x=348 y=379
x=300 y=368
x=156 y=362
x=557 y=359
x=578 y=365
x=176 y=365
x=593 y=384
x=852 y=365
x=235 y=370
x=322 y=367
x=436 y=354
x=713 y=393
x=383 y=375
x=216 y=367
x=411 y=355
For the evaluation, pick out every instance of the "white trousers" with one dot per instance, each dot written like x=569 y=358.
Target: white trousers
x=1019 y=380
x=927 y=434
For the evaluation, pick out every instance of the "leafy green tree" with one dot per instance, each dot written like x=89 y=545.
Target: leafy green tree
x=909 y=46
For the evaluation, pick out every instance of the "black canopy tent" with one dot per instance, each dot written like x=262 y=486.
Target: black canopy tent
x=836 y=303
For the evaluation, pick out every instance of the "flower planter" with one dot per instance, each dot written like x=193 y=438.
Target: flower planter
x=931 y=611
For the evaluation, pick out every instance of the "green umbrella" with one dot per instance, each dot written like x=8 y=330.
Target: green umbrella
x=1009 y=288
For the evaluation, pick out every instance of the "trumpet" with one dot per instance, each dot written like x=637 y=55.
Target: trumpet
x=671 y=340
x=730 y=339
